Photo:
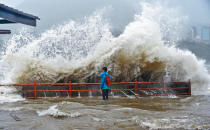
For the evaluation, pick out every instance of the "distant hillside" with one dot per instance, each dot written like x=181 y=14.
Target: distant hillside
x=202 y=50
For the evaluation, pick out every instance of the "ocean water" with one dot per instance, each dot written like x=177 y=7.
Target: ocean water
x=115 y=114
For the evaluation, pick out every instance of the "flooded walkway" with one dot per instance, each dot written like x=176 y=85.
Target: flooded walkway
x=117 y=113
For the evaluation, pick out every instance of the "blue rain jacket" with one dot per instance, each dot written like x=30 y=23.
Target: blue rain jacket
x=103 y=80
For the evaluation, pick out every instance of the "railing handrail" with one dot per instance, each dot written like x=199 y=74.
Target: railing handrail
x=66 y=84
x=162 y=87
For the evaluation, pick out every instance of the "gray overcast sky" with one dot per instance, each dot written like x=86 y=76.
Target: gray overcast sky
x=54 y=12
x=12 y=3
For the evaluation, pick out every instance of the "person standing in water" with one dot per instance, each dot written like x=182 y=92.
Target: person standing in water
x=105 y=83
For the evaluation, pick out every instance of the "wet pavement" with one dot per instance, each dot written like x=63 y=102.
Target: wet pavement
x=117 y=113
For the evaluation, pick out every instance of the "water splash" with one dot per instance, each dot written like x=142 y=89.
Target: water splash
x=126 y=95
x=55 y=112
x=79 y=95
x=90 y=94
x=7 y=95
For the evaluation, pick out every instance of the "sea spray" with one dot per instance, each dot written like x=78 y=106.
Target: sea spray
x=7 y=95
x=39 y=59
x=141 y=53
x=55 y=112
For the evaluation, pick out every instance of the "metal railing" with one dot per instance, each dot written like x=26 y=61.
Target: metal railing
x=138 y=88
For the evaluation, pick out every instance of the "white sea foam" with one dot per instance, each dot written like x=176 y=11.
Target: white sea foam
x=55 y=112
x=124 y=109
x=97 y=119
x=11 y=108
x=7 y=95
x=168 y=123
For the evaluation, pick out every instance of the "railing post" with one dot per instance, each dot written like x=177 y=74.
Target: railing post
x=164 y=88
x=136 y=88
x=70 y=89
x=189 y=89
x=35 y=91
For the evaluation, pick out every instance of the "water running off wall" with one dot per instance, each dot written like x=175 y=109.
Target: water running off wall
x=77 y=50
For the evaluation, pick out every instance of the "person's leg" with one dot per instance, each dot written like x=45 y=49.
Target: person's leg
x=107 y=94
x=103 y=94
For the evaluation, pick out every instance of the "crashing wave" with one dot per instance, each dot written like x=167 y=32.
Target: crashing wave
x=77 y=51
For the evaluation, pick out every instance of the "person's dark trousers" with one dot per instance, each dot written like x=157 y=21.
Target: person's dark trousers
x=105 y=94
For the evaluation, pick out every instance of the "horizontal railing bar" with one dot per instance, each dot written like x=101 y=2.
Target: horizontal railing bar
x=85 y=90
x=123 y=83
x=72 y=90
x=122 y=89
x=52 y=90
x=180 y=94
x=99 y=83
x=85 y=83
x=177 y=82
x=16 y=84
x=53 y=84
x=111 y=90
x=150 y=88
x=23 y=91
x=148 y=82
x=179 y=88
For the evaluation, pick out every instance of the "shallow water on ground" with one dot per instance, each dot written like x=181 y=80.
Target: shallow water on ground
x=117 y=113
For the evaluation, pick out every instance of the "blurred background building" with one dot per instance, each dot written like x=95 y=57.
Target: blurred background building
x=200 y=33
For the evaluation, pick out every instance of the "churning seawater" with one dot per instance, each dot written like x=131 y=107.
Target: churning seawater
x=115 y=114
x=77 y=50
